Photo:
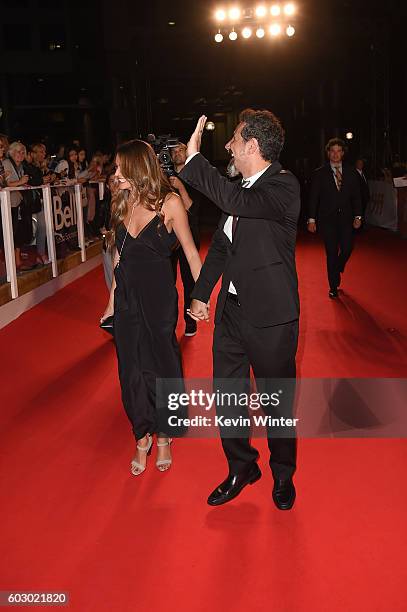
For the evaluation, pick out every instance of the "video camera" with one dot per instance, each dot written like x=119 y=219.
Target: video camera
x=162 y=145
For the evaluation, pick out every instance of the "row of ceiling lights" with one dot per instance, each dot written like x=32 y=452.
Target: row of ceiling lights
x=234 y=13
x=275 y=29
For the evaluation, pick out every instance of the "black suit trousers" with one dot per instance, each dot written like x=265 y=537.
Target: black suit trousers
x=270 y=351
x=338 y=239
x=188 y=282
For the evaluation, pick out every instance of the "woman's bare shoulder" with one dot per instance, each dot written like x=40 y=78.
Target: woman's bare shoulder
x=172 y=203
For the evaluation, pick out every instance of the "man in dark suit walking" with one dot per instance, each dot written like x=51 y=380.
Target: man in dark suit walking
x=335 y=201
x=256 y=321
x=364 y=186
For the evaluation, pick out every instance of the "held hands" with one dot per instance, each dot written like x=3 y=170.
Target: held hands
x=199 y=311
x=357 y=223
x=194 y=143
x=312 y=227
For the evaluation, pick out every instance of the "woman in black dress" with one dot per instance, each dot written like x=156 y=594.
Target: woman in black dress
x=148 y=220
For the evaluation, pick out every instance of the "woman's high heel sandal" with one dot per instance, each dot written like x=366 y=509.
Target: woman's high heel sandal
x=164 y=464
x=136 y=467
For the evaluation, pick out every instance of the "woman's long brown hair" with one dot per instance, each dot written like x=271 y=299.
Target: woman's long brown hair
x=149 y=185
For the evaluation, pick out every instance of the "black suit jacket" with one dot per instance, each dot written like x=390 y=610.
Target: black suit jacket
x=326 y=201
x=261 y=260
x=364 y=191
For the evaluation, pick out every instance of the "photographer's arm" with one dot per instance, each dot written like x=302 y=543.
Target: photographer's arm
x=184 y=195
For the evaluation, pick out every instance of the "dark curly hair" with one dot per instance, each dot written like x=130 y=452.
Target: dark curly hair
x=336 y=142
x=266 y=128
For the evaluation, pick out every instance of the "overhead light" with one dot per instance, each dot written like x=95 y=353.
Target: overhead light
x=261 y=11
x=260 y=32
x=275 y=10
x=220 y=15
x=234 y=13
x=290 y=31
x=171 y=23
x=289 y=9
x=246 y=32
x=275 y=29
x=218 y=37
x=210 y=126
x=233 y=35
x=349 y=135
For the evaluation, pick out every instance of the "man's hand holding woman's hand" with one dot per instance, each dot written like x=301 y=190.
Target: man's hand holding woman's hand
x=199 y=311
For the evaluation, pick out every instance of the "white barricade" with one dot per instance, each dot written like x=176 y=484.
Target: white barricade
x=50 y=214
x=382 y=207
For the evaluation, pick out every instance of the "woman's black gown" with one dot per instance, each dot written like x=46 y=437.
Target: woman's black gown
x=145 y=317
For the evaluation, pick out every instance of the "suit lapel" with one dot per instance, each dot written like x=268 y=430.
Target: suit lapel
x=330 y=172
x=275 y=168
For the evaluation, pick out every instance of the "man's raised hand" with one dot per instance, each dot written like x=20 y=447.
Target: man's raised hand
x=194 y=143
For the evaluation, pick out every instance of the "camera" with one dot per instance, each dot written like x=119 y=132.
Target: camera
x=162 y=145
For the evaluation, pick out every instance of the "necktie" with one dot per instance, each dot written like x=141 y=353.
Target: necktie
x=338 y=175
x=244 y=183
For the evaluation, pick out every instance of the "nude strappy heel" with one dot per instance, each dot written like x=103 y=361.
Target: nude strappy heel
x=164 y=464
x=136 y=467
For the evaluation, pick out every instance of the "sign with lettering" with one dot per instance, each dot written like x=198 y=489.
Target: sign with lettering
x=382 y=207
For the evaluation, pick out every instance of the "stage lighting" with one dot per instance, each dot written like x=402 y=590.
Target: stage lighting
x=275 y=29
x=233 y=35
x=290 y=31
x=289 y=9
x=218 y=37
x=220 y=15
x=260 y=32
x=275 y=10
x=349 y=135
x=210 y=126
x=246 y=32
x=234 y=13
x=261 y=11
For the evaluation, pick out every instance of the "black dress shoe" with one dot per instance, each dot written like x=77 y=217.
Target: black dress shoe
x=233 y=485
x=333 y=293
x=284 y=494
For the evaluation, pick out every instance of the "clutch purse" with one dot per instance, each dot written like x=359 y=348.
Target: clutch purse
x=108 y=325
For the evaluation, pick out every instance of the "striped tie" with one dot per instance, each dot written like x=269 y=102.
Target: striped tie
x=338 y=175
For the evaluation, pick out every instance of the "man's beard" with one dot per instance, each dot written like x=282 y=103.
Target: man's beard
x=231 y=170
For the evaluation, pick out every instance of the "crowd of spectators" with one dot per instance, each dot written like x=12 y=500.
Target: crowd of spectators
x=22 y=165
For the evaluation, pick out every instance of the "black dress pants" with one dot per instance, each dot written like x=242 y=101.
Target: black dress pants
x=338 y=239
x=270 y=351
x=186 y=276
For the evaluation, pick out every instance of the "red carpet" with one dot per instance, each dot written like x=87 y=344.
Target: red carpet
x=74 y=520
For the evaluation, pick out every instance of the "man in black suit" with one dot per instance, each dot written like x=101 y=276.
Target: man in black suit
x=335 y=200
x=256 y=321
x=191 y=201
x=364 y=187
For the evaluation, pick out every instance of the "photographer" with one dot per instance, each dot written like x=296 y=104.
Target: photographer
x=190 y=199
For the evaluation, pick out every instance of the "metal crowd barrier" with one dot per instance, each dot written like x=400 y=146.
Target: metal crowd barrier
x=48 y=214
